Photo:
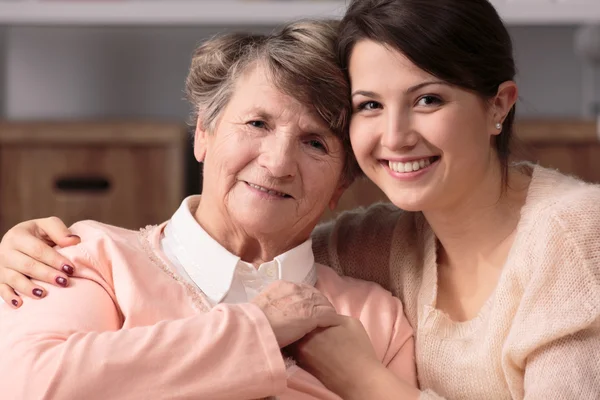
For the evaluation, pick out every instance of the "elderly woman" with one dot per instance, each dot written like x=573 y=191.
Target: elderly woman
x=188 y=309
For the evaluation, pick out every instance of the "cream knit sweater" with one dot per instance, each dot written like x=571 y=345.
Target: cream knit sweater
x=537 y=336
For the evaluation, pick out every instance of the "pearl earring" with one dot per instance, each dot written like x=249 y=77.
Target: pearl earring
x=498 y=126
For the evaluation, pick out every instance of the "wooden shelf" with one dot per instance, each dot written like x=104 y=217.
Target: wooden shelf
x=546 y=131
x=254 y=12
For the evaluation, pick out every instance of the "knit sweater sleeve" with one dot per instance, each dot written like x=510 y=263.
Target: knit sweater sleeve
x=555 y=335
x=358 y=243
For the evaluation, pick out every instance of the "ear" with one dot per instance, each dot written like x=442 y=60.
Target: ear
x=200 y=141
x=504 y=101
x=337 y=194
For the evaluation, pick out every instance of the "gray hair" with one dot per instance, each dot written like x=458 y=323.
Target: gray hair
x=301 y=59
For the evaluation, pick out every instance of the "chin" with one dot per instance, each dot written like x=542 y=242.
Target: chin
x=260 y=223
x=408 y=203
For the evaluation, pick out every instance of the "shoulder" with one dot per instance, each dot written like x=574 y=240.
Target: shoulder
x=559 y=256
x=90 y=230
x=379 y=215
x=554 y=193
x=356 y=230
x=564 y=212
x=103 y=247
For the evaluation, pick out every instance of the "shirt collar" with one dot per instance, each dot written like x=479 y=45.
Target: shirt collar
x=212 y=267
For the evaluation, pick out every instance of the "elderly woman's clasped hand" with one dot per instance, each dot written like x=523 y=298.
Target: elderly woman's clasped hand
x=293 y=310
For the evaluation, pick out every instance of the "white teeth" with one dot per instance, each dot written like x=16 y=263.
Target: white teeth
x=410 y=166
x=262 y=189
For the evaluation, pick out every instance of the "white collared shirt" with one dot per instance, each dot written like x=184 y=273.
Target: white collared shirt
x=221 y=275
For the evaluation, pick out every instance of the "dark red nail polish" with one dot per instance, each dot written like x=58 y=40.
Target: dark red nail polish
x=15 y=303
x=61 y=281
x=38 y=292
x=68 y=269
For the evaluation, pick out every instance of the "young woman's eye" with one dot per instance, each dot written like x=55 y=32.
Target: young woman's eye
x=369 y=105
x=257 y=124
x=429 y=101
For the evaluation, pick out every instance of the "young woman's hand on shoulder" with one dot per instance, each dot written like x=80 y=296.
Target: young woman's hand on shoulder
x=26 y=253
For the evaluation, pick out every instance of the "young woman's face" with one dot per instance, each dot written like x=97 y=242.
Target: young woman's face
x=425 y=143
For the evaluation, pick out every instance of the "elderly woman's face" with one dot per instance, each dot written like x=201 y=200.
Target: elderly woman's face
x=270 y=164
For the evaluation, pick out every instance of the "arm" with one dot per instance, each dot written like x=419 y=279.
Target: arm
x=555 y=338
x=369 y=357
x=567 y=368
x=343 y=359
x=25 y=251
x=71 y=345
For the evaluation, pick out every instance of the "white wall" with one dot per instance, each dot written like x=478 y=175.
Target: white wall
x=549 y=72
x=96 y=72
x=83 y=72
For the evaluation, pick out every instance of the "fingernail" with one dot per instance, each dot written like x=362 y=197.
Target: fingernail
x=15 y=303
x=61 y=281
x=38 y=292
x=68 y=269
x=74 y=237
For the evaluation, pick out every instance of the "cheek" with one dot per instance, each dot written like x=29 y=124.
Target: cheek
x=463 y=142
x=363 y=138
x=233 y=155
x=320 y=180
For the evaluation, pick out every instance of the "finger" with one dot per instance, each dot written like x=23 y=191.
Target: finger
x=28 y=267
x=326 y=317
x=54 y=231
x=281 y=288
x=321 y=299
x=9 y=296
x=23 y=285
x=37 y=250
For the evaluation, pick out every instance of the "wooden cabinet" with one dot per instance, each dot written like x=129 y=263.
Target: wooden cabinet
x=581 y=160
x=572 y=147
x=127 y=174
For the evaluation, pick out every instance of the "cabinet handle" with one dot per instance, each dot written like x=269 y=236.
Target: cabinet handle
x=87 y=184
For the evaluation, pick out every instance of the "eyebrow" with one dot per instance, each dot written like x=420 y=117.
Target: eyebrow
x=319 y=127
x=260 y=113
x=411 y=89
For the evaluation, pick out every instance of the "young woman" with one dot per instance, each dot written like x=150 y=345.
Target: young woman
x=497 y=263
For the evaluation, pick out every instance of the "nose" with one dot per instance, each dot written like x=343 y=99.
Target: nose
x=398 y=133
x=278 y=156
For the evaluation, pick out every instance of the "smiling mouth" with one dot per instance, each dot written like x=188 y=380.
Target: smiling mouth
x=269 y=191
x=411 y=166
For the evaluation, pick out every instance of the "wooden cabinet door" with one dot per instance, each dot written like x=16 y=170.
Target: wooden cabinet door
x=127 y=186
x=581 y=160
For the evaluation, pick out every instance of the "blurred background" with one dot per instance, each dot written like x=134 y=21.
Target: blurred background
x=94 y=124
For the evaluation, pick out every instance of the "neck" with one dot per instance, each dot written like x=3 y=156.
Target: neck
x=473 y=227
x=249 y=246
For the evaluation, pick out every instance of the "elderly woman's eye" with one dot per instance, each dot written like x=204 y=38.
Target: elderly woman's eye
x=257 y=124
x=317 y=144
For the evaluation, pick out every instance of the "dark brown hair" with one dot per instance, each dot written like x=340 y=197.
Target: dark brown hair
x=462 y=42
x=301 y=60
